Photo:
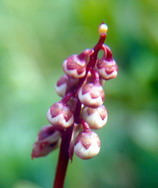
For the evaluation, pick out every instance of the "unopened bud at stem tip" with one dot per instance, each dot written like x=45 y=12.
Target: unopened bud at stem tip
x=103 y=28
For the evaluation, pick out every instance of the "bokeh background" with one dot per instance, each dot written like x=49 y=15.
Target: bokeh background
x=35 y=37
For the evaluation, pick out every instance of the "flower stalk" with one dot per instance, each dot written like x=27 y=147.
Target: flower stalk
x=81 y=108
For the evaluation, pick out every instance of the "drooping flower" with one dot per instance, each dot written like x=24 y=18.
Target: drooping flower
x=87 y=145
x=95 y=117
x=106 y=66
x=75 y=65
x=60 y=115
x=48 y=139
x=91 y=94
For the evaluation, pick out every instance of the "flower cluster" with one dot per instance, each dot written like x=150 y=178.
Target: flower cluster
x=81 y=109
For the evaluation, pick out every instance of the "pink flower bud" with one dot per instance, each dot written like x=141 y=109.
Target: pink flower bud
x=106 y=66
x=65 y=84
x=48 y=140
x=95 y=117
x=87 y=145
x=75 y=65
x=60 y=115
x=91 y=95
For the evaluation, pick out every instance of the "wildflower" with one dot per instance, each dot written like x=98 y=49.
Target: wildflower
x=80 y=108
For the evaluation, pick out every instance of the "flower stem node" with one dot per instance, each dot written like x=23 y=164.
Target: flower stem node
x=87 y=145
x=95 y=117
x=60 y=115
x=103 y=28
x=91 y=95
x=48 y=140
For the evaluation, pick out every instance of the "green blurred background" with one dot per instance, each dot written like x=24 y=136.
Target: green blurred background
x=35 y=37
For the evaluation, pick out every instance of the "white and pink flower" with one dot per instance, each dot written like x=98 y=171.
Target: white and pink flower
x=87 y=145
x=95 y=117
x=106 y=66
x=60 y=115
x=75 y=65
x=91 y=95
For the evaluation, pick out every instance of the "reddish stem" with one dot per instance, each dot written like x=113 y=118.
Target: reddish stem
x=96 y=76
x=67 y=97
x=63 y=159
x=64 y=152
x=66 y=135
